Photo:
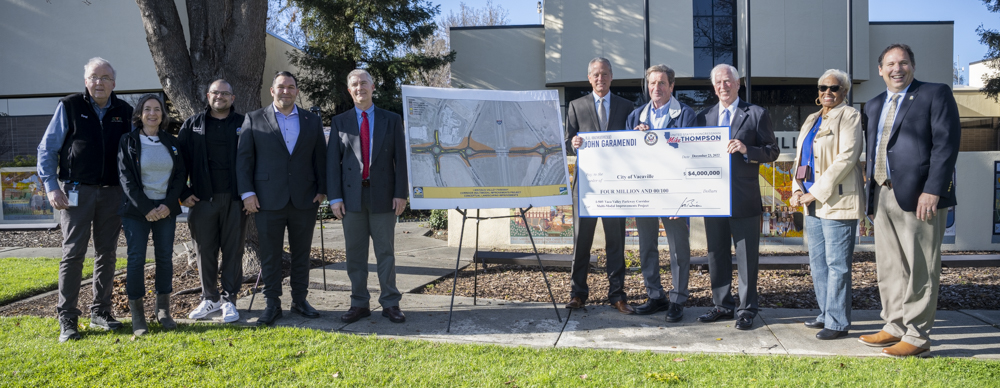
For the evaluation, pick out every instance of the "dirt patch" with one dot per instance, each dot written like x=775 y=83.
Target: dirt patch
x=961 y=288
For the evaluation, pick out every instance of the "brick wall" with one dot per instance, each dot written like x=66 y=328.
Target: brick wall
x=980 y=135
x=24 y=133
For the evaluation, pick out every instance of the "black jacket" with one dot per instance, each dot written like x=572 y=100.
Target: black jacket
x=135 y=203
x=88 y=152
x=194 y=150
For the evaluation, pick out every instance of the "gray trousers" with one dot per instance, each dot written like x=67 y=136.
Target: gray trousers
x=720 y=234
x=96 y=211
x=381 y=228
x=217 y=225
x=271 y=224
x=908 y=261
x=678 y=235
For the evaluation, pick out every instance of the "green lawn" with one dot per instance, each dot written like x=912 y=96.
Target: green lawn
x=21 y=277
x=211 y=355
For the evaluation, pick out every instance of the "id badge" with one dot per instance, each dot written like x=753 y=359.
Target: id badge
x=74 y=197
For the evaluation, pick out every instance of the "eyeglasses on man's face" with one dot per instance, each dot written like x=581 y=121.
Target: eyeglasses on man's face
x=104 y=79
x=220 y=93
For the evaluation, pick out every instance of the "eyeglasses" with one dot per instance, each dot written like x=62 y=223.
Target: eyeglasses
x=219 y=93
x=95 y=78
x=833 y=88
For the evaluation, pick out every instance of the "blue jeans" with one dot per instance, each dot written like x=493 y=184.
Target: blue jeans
x=137 y=236
x=831 y=251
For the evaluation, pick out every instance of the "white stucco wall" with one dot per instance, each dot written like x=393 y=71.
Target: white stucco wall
x=498 y=58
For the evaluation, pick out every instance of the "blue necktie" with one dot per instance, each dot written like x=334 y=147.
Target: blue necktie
x=725 y=119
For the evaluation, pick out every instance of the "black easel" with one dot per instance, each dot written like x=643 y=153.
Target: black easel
x=461 y=236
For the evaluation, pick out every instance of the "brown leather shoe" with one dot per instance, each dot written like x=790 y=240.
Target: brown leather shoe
x=394 y=314
x=623 y=307
x=354 y=314
x=880 y=339
x=575 y=303
x=904 y=349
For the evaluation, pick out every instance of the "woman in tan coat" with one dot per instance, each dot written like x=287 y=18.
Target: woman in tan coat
x=828 y=186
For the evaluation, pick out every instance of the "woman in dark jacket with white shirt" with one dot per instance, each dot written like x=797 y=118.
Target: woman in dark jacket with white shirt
x=152 y=176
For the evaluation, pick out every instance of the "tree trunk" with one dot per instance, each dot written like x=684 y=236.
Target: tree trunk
x=226 y=41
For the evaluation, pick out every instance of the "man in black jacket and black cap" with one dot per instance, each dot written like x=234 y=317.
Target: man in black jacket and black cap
x=208 y=145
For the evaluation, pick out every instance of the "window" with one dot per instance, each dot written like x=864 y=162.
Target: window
x=714 y=35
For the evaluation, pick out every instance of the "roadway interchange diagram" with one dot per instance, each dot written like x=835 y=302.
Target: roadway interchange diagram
x=484 y=149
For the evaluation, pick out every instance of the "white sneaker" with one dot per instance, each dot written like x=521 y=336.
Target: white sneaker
x=206 y=307
x=229 y=313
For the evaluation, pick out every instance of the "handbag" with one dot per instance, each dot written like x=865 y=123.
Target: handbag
x=803 y=172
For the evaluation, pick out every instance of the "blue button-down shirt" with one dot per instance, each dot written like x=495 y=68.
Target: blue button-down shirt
x=52 y=142
x=289 y=126
x=881 y=122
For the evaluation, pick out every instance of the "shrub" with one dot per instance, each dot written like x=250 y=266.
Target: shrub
x=439 y=219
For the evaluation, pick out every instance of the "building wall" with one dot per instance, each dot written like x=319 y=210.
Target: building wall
x=498 y=58
x=803 y=38
x=931 y=44
x=977 y=70
x=54 y=40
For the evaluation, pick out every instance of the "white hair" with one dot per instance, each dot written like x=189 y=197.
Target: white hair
x=358 y=73
x=732 y=71
x=842 y=77
x=94 y=63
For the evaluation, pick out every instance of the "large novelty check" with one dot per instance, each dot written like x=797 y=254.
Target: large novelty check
x=664 y=172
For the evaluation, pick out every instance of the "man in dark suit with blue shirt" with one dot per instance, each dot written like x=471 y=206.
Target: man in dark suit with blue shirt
x=751 y=143
x=597 y=111
x=913 y=138
x=281 y=177
x=663 y=111
x=368 y=190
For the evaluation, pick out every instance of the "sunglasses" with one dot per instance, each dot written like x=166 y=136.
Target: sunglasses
x=833 y=88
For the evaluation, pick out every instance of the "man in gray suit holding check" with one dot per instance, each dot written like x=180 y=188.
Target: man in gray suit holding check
x=281 y=177
x=368 y=190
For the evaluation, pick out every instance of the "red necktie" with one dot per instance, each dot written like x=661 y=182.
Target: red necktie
x=365 y=141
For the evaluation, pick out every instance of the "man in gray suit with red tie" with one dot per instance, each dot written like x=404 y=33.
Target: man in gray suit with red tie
x=913 y=141
x=751 y=143
x=597 y=111
x=368 y=190
x=281 y=177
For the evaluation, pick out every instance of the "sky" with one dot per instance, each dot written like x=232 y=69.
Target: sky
x=967 y=15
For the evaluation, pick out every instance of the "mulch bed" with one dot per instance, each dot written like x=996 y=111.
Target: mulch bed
x=53 y=238
x=185 y=278
x=961 y=288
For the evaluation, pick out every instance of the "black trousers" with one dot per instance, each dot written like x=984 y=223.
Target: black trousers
x=720 y=234
x=271 y=225
x=614 y=236
x=217 y=225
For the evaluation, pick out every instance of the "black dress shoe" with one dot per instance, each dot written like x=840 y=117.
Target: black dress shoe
x=744 y=323
x=304 y=309
x=675 y=313
x=827 y=334
x=652 y=306
x=714 y=315
x=270 y=315
x=355 y=313
x=814 y=324
x=394 y=314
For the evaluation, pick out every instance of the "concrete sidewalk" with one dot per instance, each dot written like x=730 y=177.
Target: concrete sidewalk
x=421 y=260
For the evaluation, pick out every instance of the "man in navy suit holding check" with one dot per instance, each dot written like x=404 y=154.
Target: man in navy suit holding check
x=751 y=143
x=913 y=140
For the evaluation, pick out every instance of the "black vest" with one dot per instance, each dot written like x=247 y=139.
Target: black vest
x=89 y=153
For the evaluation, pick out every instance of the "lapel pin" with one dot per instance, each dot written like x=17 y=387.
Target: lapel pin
x=911 y=98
